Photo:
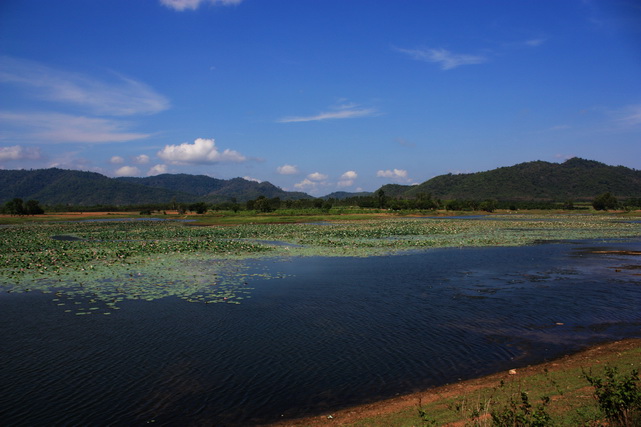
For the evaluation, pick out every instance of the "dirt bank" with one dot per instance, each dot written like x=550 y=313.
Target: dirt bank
x=591 y=357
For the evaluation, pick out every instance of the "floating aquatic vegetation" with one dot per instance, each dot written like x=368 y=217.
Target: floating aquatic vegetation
x=111 y=262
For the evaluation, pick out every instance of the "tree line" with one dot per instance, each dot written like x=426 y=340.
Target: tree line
x=378 y=200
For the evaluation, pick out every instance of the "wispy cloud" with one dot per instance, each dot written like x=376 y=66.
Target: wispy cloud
x=629 y=115
x=345 y=111
x=317 y=176
x=18 y=152
x=287 y=170
x=535 y=42
x=181 y=5
x=122 y=97
x=61 y=128
x=202 y=151
x=143 y=159
x=445 y=58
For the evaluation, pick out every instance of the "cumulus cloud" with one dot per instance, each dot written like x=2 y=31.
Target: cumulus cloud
x=181 y=5
x=122 y=97
x=157 y=170
x=127 y=171
x=287 y=170
x=60 y=128
x=398 y=175
x=347 y=179
x=445 y=58
x=18 y=152
x=344 y=111
x=392 y=173
x=202 y=151
x=143 y=159
x=306 y=185
x=317 y=176
x=116 y=160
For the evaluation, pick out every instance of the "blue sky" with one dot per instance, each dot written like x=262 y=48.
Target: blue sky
x=317 y=95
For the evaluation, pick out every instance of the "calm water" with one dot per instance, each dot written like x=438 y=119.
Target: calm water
x=333 y=332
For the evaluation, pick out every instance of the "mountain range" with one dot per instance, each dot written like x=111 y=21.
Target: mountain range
x=574 y=180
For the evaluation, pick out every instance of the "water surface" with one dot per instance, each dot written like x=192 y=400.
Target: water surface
x=330 y=332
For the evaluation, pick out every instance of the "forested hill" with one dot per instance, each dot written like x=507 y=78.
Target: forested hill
x=69 y=187
x=214 y=190
x=575 y=180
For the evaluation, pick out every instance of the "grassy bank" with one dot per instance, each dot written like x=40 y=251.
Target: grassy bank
x=563 y=382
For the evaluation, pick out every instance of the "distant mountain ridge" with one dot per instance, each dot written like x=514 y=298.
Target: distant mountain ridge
x=573 y=180
x=69 y=187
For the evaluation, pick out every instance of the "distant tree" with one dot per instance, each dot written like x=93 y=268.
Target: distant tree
x=605 y=202
x=32 y=207
x=14 y=207
x=382 y=200
x=488 y=206
x=199 y=208
x=262 y=204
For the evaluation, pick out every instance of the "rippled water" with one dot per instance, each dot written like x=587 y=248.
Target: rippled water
x=332 y=332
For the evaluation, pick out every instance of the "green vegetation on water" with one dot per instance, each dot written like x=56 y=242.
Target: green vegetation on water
x=110 y=261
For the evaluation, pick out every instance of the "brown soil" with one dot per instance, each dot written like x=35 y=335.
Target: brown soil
x=347 y=416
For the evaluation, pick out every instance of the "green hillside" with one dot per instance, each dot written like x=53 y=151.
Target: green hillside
x=77 y=188
x=576 y=179
x=62 y=187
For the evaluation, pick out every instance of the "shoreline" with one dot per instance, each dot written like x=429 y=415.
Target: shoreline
x=586 y=358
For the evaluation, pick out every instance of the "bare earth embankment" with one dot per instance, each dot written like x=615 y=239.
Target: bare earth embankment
x=453 y=404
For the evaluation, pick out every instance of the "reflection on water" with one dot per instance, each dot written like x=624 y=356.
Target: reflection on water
x=330 y=332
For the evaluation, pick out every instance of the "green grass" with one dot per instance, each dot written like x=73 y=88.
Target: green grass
x=571 y=397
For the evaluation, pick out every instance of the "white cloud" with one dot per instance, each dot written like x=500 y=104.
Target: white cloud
x=181 y=5
x=127 y=171
x=445 y=58
x=306 y=185
x=395 y=173
x=116 y=160
x=347 y=179
x=287 y=170
x=18 y=152
x=398 y=175
x=349 y=175
x=317 y=176
x=54 y=127
x=122 y=97
x=249 y=178
x=344 y=111
x=202 y=151
x=157 y=170
x=143 y=159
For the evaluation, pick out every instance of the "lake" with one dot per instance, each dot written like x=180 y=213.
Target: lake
x=327 y=333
